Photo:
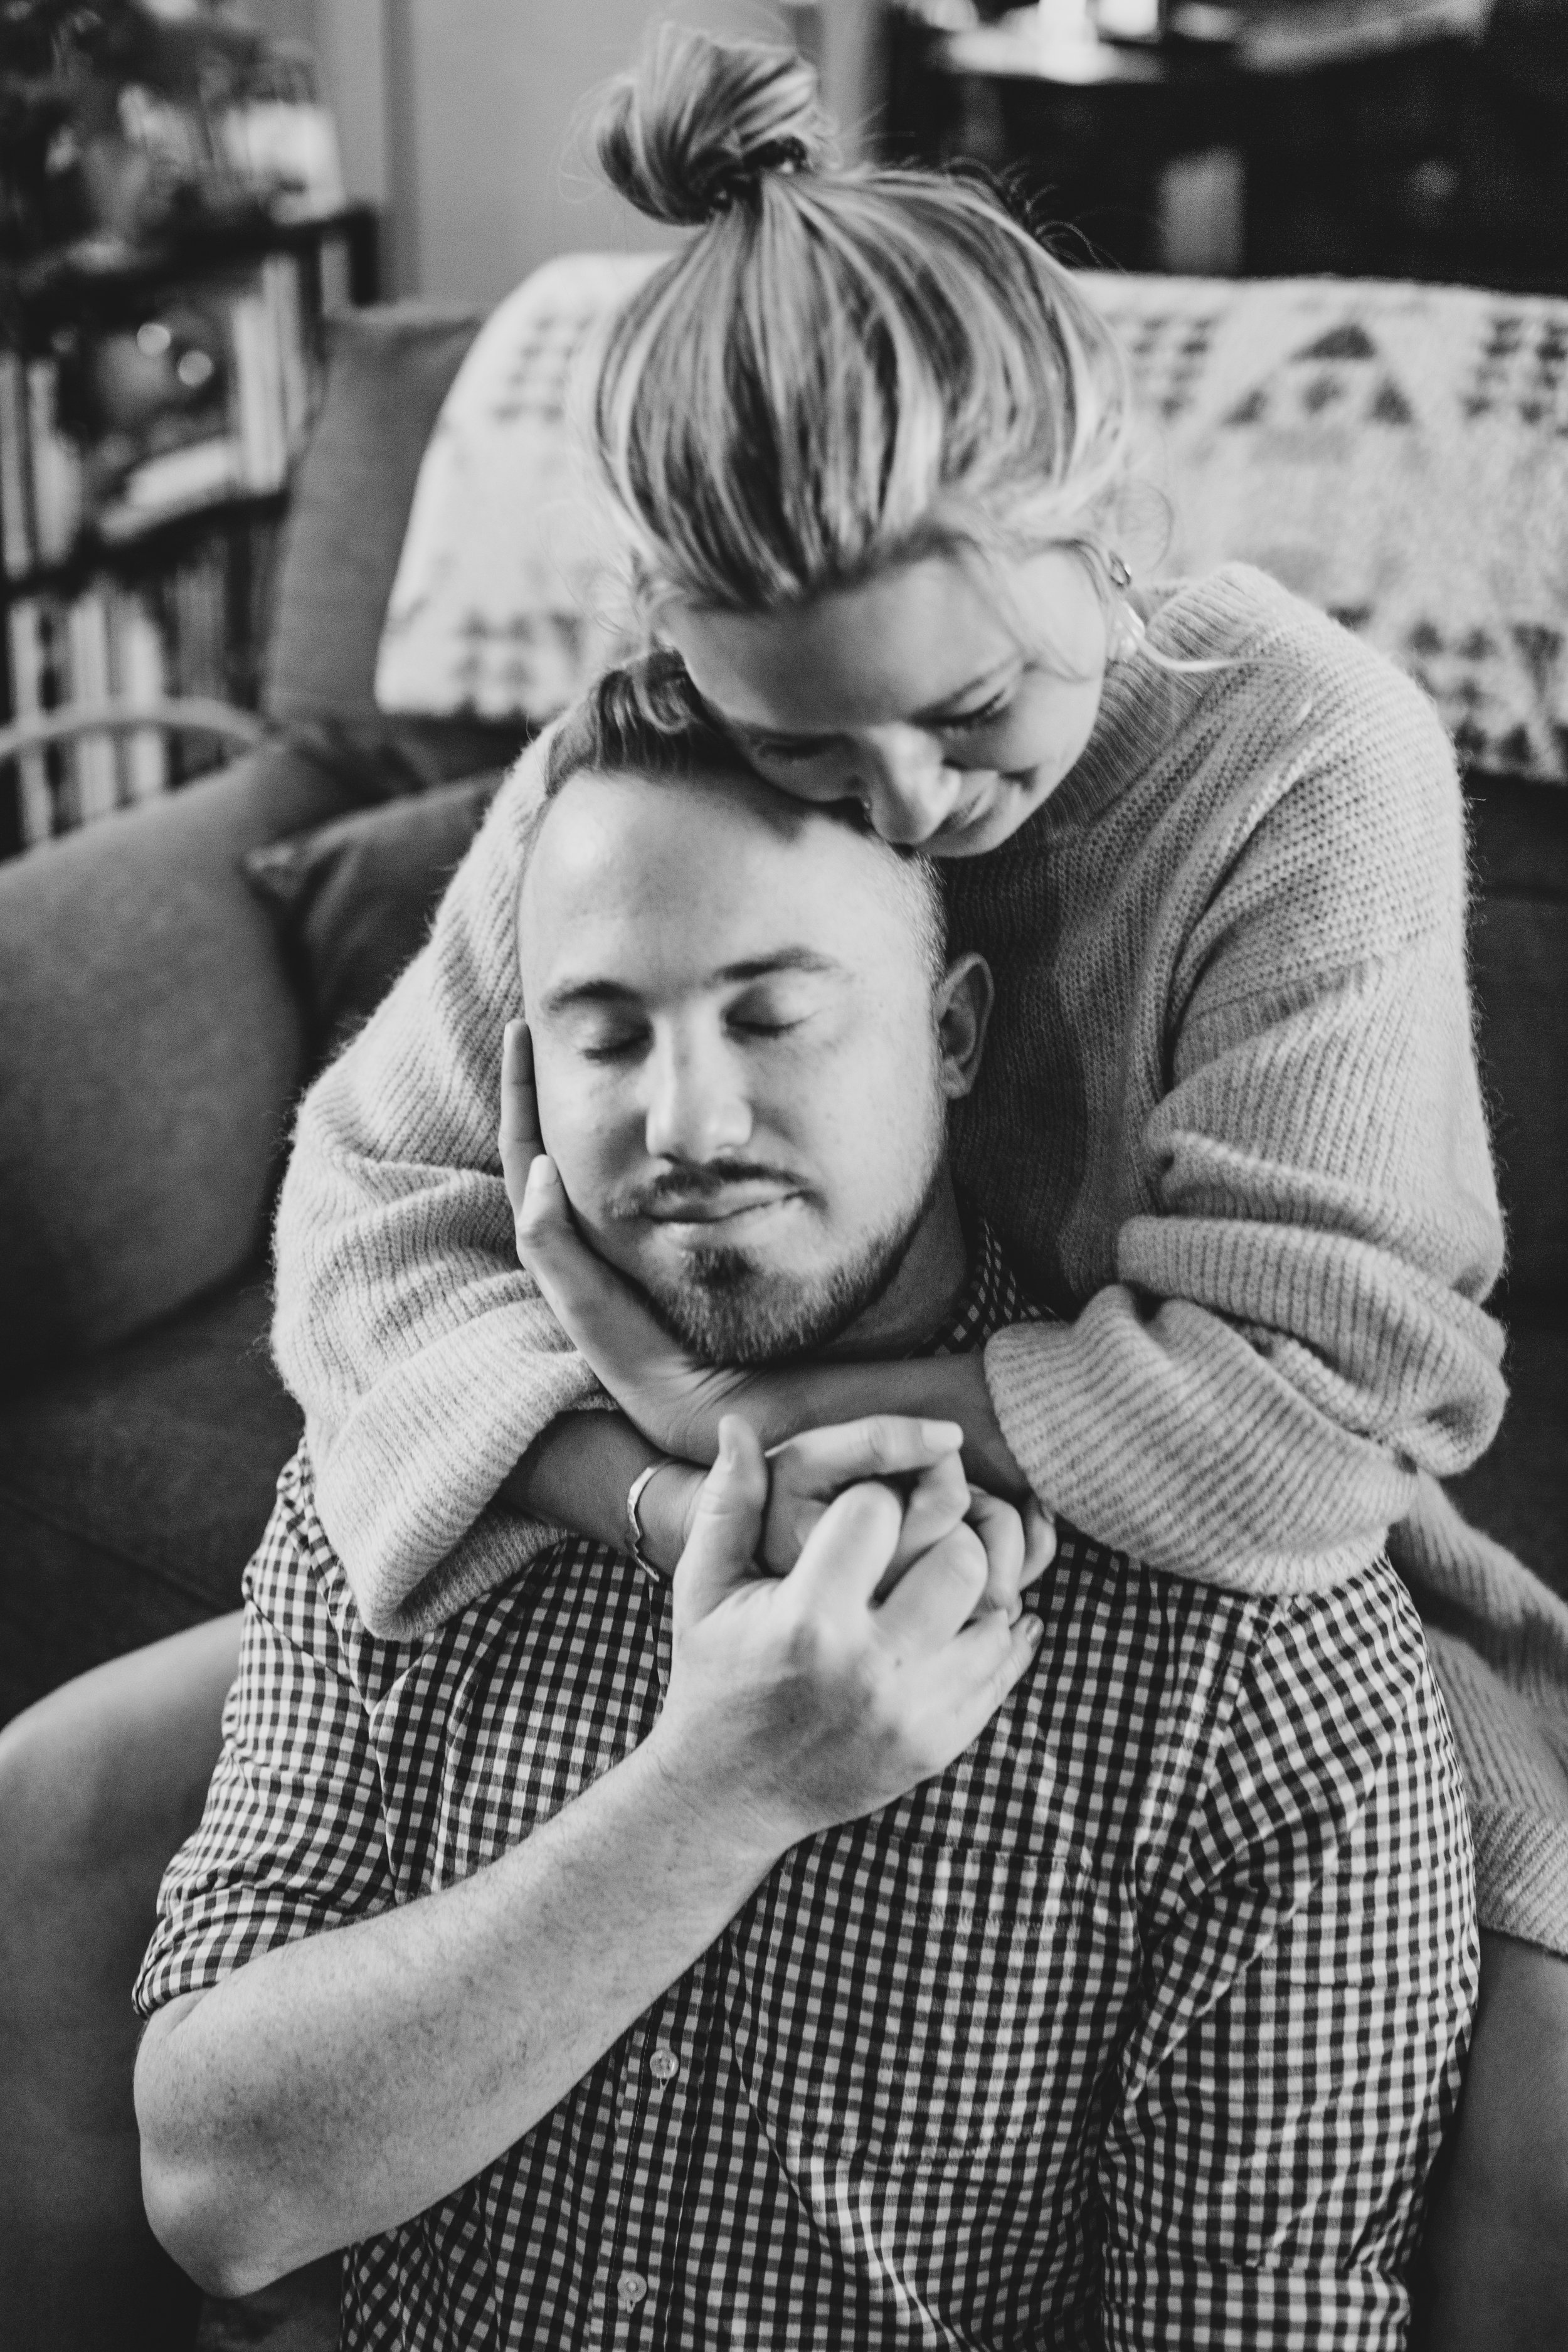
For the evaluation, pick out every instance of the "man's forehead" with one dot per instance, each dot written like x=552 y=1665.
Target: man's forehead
x=726 y=855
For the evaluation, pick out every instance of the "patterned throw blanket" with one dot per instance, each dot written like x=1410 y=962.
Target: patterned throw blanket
x=1396 y=453
x=512 y=587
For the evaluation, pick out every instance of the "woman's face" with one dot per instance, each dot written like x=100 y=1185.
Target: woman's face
x=949 y=712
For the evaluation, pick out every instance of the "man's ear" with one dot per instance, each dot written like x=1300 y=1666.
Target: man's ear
x=963 y=1004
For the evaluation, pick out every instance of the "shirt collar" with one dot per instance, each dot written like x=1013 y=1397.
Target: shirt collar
x=991 y=1299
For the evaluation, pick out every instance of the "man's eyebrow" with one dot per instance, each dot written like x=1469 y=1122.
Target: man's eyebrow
x=785 y=960
x=571 y=994
x=932 y=716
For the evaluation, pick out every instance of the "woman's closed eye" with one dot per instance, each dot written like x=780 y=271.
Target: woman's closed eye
x=799 y=748
x=961 y=722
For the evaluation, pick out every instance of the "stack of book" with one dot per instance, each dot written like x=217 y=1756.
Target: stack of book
x=238 y=360
x=135 y=643
x=193 y=406
x=106 y=645
x=41 y=479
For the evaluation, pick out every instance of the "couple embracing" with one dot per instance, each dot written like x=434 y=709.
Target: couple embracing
x=926 y=1816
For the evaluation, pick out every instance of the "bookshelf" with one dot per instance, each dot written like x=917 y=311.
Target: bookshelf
x=153 y=398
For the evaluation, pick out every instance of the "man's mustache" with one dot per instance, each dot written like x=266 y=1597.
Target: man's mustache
x=707 y=1182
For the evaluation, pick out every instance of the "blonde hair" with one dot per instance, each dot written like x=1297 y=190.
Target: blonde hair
x=841 y=370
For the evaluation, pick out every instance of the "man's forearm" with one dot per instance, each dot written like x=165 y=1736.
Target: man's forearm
x=334 y=2087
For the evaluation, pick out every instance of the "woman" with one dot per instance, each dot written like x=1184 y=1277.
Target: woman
x=873 y=445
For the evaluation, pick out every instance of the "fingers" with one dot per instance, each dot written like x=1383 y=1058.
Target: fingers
x=809 y=1469
x=520 y=1137
x=1001 y=1533
x=936 y=1594
x=547 y=1242
x=721 y=1549
x=843 y=1558
x=601 y=1313
x=935 y=1505
x=981 y=1667
x=582 y=1292
x=1040 y=1541
x=822 y=1461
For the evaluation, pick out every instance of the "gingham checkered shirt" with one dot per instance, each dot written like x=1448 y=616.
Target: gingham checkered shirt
x=1139 y=2025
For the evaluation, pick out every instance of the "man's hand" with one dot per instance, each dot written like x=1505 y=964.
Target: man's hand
x=799 y=1702
x=805 y=1473
x=923 y=1458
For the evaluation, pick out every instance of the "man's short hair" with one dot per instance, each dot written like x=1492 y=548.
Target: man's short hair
x=647 y=718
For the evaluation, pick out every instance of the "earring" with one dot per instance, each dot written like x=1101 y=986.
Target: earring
x=1126 y=632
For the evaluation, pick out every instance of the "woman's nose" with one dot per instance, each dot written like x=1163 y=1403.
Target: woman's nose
x=900 y=776
x=697 y=1107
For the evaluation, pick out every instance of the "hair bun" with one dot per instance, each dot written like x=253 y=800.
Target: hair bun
x=700 y=124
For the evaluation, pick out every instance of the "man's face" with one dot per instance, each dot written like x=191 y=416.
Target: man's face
x=736 y=1050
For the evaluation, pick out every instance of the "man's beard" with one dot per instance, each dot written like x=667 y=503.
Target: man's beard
x=728 y=1309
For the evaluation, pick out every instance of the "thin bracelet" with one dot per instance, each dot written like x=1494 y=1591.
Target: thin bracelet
x=634 y=1524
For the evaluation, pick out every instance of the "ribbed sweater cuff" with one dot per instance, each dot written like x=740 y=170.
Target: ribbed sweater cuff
x=1195 y=1466
x=401 y=1484
x=1521 y=1874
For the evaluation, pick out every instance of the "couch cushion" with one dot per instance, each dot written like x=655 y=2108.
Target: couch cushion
x=133 y=1489
x=150 y=1057
x=353 y=899
x=387 y=372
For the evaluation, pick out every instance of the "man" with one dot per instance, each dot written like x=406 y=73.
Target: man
x=824 y=1959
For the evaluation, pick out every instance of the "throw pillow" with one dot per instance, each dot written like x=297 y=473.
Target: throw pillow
x=353 y=899
x=388 y=371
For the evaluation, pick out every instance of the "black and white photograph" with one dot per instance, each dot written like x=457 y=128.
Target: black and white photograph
x=784 y=1176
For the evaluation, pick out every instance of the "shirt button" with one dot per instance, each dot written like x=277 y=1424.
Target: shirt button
x=664 y=2066
x=630 y=2289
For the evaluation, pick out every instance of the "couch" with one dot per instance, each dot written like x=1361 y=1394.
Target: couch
x=160 y=1020
x=155 y=1039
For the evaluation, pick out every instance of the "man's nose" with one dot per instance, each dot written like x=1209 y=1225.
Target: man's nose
x=900 y=776
x=697 y=1107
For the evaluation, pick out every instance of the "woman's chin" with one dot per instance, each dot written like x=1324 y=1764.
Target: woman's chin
x=1012 y=805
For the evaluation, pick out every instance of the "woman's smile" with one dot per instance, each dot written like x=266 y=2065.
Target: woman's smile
x=869 y=693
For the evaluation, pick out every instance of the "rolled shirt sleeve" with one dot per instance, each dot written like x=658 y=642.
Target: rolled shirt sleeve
x=1312 y=1979
x=292 y=1839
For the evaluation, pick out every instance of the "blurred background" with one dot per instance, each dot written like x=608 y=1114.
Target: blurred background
x=189 y=189
x=1415 y=137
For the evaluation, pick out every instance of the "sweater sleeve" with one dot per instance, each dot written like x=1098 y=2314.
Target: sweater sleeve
x=423 y=1355
x=1295 y=1331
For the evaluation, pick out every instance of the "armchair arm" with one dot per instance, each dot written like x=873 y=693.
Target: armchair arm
x=98 y=1783
x=179 y=715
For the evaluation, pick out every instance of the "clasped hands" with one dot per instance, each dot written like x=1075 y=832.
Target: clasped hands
x=679 y=1403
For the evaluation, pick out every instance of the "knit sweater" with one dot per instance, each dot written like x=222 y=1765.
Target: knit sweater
x=1230 y=1124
